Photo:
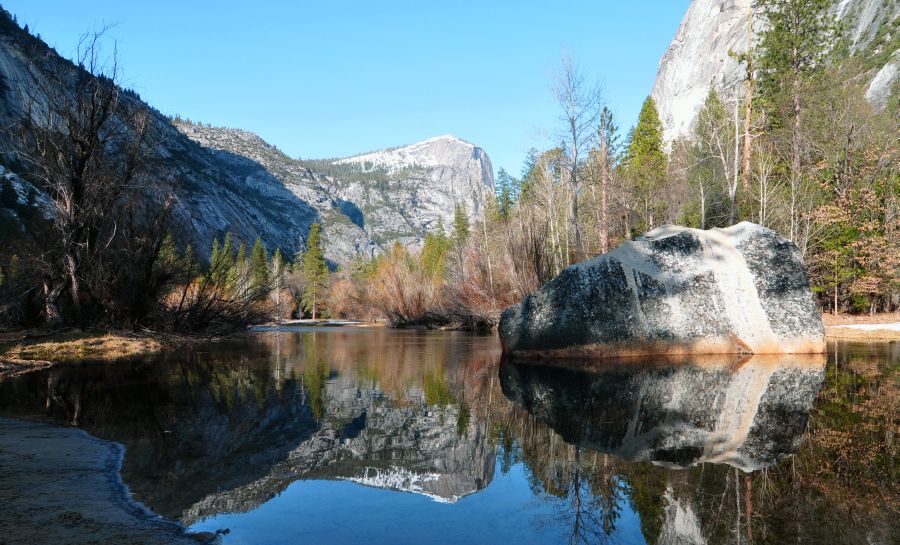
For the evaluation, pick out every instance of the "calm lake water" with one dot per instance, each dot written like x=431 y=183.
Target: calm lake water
x=375 y=436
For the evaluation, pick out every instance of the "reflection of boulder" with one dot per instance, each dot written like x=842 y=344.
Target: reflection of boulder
x=747 y=415
x=674 y=290
x=367 y=438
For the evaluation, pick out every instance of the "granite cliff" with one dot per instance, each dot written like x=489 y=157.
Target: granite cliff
x=698 y=56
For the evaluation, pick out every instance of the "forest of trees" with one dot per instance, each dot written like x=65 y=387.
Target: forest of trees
x=794 y=147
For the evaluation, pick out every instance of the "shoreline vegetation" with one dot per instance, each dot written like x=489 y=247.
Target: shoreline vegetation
x=23 y=351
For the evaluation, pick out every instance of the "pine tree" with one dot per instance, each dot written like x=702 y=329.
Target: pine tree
x=460 y=226
x=434 y=252
x=167 y=259
x=214 y=255
x=798 y=35
x=646 y=166
x=505 y=196
x=259 y=268
x=315 y=271
x=239 y=275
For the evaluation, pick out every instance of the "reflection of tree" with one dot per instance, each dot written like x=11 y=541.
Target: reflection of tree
x=594 y=500
x=315 y=375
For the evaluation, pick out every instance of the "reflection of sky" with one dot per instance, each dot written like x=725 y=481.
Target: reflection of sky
x=340 y=512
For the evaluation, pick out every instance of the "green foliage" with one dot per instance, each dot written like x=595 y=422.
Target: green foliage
x=797 y=36
x=506 y=194
x=315 y=270
x=645 y=161
x=460 y=226
x=221 y=260
x=434 y=252
x=259 y=267
x=645 y=149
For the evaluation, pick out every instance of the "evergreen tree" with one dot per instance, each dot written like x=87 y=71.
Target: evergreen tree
x=214 y=254
x=239 y=275
x=167 y=259
x=434 y=252
x=189 y=262
x=505 y=194
x=315 y=271
x=460 y=226
x=259 y=267
x=646 y=162
x=241 y=255
x=798 y=35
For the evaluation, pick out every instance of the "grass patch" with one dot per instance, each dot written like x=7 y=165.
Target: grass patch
x=69 y=345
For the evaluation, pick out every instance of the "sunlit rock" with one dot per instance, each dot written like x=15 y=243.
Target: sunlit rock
x=674 y=290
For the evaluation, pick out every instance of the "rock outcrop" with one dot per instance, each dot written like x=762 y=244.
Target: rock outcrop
x=698 y=56
x=674 y=291
x=748 y=414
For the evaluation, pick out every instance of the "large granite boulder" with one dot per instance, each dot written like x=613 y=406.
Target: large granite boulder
x=674 y=291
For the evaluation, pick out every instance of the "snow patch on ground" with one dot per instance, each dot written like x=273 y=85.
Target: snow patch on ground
x=872 y=327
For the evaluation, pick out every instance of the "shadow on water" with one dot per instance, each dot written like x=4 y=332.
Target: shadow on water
x=760 y=450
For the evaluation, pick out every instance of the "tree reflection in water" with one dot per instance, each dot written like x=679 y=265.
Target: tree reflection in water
x=743 y=451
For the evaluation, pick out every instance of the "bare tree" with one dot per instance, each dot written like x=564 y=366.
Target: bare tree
x=719 y=141
x=581 y=105
x=84 y=147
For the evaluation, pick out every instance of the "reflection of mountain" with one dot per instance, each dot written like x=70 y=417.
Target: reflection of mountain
x=226 y=430
x=368 y=438
x=749 y=415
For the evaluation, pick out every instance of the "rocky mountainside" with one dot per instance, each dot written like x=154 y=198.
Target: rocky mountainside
x=230 y=180
x=373 y=199
x=698 y=55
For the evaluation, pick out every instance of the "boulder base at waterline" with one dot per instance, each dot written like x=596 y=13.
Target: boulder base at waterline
x=674 y=290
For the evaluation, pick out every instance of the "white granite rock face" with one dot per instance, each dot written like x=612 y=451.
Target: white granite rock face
x=698 y=56
x=444 y=171
x=674 y=291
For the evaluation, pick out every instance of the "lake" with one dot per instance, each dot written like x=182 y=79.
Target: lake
x=357 y=435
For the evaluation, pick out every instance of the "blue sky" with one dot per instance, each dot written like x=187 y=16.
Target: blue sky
x=335 y=78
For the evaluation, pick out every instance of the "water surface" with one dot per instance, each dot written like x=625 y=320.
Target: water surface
x=368 y=435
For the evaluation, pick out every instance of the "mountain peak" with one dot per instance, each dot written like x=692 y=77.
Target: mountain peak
x=438 y=150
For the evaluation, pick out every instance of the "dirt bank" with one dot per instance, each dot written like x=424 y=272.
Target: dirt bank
x=61 y=485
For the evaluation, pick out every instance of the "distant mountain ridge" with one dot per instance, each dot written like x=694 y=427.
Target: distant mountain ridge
x=370 y=200
x=231 y=180
x=698 y=56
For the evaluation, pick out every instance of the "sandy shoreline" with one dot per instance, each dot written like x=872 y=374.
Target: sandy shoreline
x=61 y=485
